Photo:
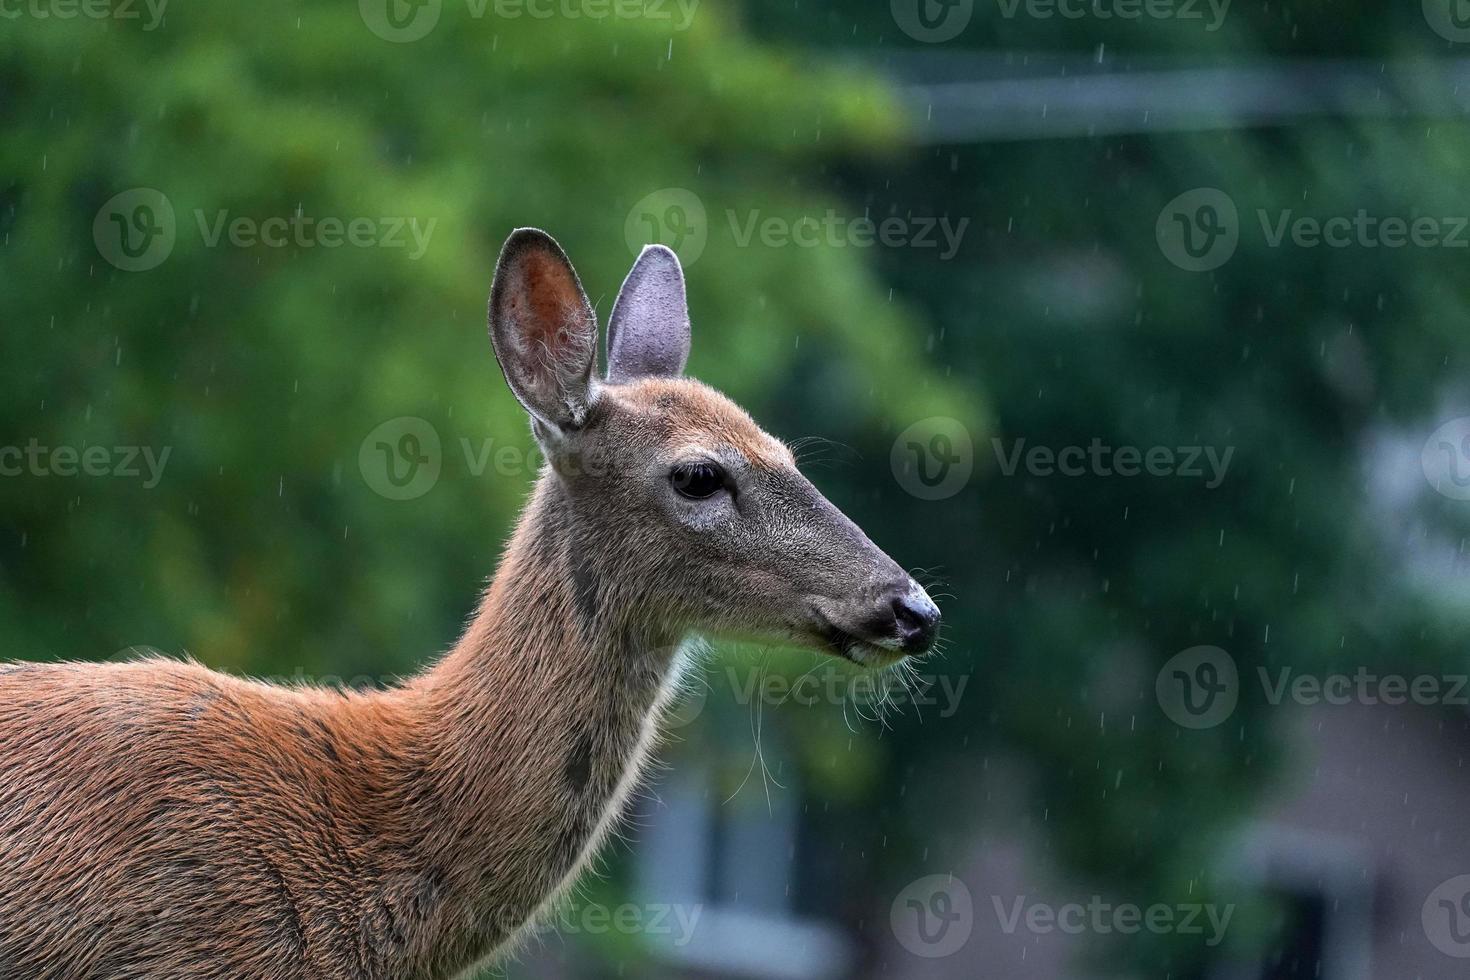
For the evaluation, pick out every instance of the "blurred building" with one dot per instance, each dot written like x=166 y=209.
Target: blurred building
x=1362 y=830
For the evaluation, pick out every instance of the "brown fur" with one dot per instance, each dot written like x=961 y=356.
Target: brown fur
x=160 y=820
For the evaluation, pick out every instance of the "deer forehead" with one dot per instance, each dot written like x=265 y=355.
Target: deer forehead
x=691 y=415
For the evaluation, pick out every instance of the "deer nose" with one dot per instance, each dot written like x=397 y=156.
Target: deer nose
x=916 y=616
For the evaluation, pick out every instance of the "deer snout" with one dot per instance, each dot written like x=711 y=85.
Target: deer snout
x=898 y=617
x=915 y=617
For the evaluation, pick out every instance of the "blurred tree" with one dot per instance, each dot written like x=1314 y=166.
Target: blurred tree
x=1300 y=361
x=262 y=368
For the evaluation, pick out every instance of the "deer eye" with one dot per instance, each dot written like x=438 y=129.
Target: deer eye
x=697 y=481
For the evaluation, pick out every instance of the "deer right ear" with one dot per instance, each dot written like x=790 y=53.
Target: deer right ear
x=648 y=332
x=543 y=330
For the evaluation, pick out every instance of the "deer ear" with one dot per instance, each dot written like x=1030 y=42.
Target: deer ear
x=648 y=333
x=543 y=330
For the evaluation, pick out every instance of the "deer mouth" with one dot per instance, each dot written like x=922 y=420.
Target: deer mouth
x=851 y=647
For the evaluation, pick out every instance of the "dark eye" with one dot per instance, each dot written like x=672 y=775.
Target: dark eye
x=697 y=480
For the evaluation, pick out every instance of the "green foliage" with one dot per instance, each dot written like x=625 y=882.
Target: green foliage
x=262 y=369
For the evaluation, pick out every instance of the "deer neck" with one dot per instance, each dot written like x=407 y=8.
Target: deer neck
x=537 y=722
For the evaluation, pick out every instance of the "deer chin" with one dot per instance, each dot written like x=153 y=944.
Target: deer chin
x=839 y=642
x=874 y=657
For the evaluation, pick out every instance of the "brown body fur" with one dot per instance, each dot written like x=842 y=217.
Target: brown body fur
x=161 y=820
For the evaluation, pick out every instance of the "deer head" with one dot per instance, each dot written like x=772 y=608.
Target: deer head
x=681 y=511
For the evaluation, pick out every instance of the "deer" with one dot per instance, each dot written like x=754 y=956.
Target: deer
x=163 y=821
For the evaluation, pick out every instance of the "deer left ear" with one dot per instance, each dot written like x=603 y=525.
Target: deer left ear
x=543 y=330
x=648 y=333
